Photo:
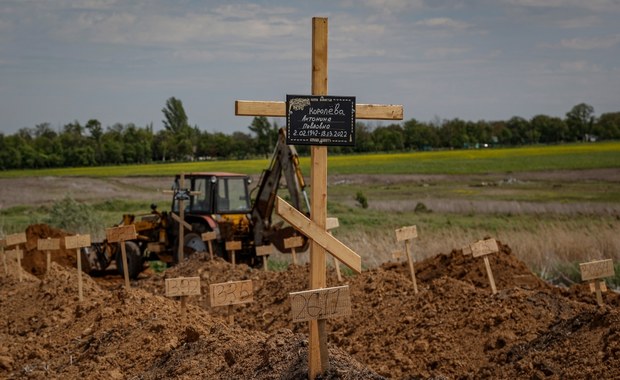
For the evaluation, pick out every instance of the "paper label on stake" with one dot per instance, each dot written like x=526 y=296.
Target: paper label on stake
x=406 y=233
x=48 y=244
x=183 y=286
x=122 y=233
x=231 y=293
x=484 y=247
x=77 y=241
x=596 y=269
x=320 y=304
x=15 y=239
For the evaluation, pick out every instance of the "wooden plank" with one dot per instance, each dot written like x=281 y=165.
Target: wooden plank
x=48 y=244
x=234 y=245
x=77 y=241
x=231 y=293
x=320 y=304
x=14 y=254
x=179 y=220
x=596 y=269
x=182 y=286
x=122 y=233
x=602 y=285
x=406 y=233
x=331 y=223
x=484 y=247
x=14 y=239
x=293 y=242
x=208 y=236
x=318 y=235
x=264 y=250
x=278 y=109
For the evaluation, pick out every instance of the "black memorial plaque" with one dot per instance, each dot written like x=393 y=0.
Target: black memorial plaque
x=320 y=120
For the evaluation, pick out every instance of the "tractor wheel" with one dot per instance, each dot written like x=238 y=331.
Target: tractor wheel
x=134 y=260
x=192 y=243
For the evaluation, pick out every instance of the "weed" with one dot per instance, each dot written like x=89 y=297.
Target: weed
x=70 y=215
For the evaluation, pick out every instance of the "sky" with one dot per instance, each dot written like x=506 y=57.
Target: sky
x=119 y=61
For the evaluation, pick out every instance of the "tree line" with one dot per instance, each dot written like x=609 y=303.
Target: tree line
x=92 y=145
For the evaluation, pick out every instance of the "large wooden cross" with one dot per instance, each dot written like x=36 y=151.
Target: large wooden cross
x=318 y=177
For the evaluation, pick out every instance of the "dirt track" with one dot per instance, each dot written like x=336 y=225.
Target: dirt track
x=453 y=329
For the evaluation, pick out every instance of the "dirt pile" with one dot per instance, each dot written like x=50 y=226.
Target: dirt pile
x=454 y=328
x=35 y=260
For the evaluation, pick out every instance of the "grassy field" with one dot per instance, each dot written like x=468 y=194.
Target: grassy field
x=550 y=223
x=478 y=161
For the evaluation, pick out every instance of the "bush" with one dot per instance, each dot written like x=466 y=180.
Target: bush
x=72 y=216
x=361 y=199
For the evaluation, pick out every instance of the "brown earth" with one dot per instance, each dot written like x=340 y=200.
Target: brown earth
x=454 y=328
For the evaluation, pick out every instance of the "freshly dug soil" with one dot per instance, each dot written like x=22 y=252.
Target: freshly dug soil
x=454 y=328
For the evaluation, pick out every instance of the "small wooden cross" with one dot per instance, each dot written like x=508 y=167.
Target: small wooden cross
x=181 y=195
x=317 y=359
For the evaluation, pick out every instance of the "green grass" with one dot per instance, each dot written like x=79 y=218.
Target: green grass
x=534 y=158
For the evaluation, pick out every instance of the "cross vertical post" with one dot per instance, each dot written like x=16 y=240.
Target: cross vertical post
x=318 y=355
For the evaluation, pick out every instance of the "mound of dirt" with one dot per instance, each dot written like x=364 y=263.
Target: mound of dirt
x=453 y=328
x=35 y=260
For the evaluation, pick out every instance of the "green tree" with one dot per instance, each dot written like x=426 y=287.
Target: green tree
x=607 y=126
x=550 y=129
x=266 y=136
x=180 y=144
x=580 y=120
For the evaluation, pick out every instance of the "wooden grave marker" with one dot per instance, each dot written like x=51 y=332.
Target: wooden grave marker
x=16 y=256
x=48 y=245
x=16 y=240
x=317 y=358
x=594 y=271
x=231 y=293
x=181 y=195
x=183 y=287
x=209 y=237
x=406 y=234
x=484 y=248
x=2 y=245
x=232 y=247
x=264 y=251
x=120 y=235
x=76 y=242
x=292 y=243
x=320 y=304
x=330 y=224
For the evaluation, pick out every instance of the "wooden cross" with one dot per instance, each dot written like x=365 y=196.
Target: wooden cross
x=318 y=177
x=181 y=195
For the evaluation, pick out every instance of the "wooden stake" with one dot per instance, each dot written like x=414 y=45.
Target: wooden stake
x=209 y=237
x=125 y=268
x=595 y=271
x=231 y=247
x=183 y=308
x=292 y=243
x=485 y=248
x=182 y=287
x=264 y=251
x=406 y=234
x=6 y=270
x=120 y=235
x=599 y=296
x=330 y=224
x=76 y=242
x=48 y=245
x=231 y=316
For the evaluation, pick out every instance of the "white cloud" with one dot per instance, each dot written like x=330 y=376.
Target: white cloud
x=605 y=42
x=443 y=22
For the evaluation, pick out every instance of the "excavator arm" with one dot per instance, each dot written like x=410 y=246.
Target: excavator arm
x=284 y=162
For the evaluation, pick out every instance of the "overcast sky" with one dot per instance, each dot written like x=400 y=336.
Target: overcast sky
x=119 y=61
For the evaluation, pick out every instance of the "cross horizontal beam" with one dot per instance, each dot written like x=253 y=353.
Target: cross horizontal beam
x=278 y=109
